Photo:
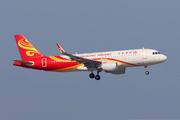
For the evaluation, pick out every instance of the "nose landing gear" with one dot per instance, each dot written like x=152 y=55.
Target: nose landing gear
x=147 y=72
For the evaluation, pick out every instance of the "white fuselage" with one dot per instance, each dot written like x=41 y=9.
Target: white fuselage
x=124 y=58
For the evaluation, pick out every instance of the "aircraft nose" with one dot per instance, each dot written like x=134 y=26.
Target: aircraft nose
x=161 y=58
x=164 y=58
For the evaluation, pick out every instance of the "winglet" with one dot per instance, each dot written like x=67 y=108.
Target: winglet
x=60 y=48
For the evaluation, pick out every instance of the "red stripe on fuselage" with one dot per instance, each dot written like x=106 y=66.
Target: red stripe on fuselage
x=123 y=62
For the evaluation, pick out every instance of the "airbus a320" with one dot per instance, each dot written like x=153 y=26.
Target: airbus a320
x=114 y=62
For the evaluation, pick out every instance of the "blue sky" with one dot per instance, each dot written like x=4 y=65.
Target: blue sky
x=90 y=26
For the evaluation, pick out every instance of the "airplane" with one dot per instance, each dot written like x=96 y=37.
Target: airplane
x=114 y=62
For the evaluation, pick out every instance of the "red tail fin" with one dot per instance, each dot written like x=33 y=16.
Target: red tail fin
x=26 y=50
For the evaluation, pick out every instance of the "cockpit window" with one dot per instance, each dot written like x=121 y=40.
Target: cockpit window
x=156 y=53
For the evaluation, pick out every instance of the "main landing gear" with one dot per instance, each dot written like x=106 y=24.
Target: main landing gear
x=147 y=72
x=97 y=77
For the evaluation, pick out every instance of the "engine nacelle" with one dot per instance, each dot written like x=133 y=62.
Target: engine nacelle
x=112 y=67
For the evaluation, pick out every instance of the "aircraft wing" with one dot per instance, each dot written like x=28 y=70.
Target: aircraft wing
x=87 y=62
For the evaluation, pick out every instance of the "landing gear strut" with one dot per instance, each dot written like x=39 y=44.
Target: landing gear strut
x=97 y=77
x=147 y=72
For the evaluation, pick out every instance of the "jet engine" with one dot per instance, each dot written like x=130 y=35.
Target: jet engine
x=112 y=67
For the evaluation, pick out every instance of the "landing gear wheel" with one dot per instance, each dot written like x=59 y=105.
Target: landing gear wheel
x=97 y=77
x=91 y=75
x=147 y=72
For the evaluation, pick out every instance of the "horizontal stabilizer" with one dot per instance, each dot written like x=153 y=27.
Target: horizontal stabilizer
x=24 y=62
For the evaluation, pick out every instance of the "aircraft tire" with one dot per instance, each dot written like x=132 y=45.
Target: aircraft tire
x=147 y=72
x=91 y=75
x=97 y=77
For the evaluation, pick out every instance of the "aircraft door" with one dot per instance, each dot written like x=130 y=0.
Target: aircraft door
x=144 y=54
x=44 y=62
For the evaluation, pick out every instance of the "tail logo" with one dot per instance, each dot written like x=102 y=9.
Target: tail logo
x=24 y=44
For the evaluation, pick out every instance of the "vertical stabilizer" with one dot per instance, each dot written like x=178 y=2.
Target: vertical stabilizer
x=26 y=50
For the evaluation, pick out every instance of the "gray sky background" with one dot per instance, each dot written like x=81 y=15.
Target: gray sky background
x=90 y=26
